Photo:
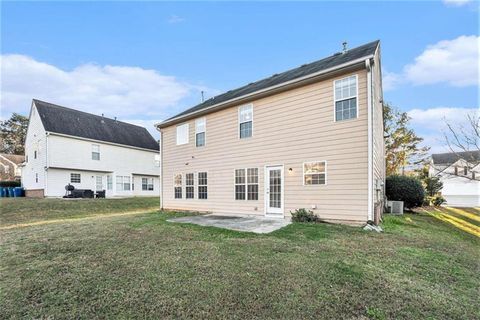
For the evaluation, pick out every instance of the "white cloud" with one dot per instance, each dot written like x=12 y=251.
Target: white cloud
x=122 y=91
x=430 y=124
x=390 y=80
x=175 y=19
x=456 y=3
x=449 y=61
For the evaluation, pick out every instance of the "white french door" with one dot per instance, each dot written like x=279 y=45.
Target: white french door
x=274 y=190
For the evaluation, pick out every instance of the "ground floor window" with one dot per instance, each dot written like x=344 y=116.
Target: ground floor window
x=177 y=182
x=147 y=184
x=75 y=178
x=98 y=183
x=246 y=184
x=189 y=186
x=123 y=183
x=315 y=173
x=202 y=185
x=109 y=182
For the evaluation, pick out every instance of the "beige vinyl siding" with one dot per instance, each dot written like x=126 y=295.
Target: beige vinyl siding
x=289 y=128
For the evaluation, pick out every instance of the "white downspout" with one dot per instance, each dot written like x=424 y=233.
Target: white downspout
x=161 y=170
x=370 y=141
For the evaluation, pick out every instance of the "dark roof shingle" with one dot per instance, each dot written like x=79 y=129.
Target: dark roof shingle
x=451 y=157
x=304 y=70
x=76 y=123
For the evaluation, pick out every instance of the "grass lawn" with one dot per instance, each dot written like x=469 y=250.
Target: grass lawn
x=140 y=266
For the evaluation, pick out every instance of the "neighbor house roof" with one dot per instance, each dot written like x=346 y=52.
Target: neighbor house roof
x=452 y=157
x=58 y=119
x=15 y=158
x=336 y=60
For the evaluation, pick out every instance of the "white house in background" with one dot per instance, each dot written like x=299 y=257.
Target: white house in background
x=88 y=151
x=460 y=174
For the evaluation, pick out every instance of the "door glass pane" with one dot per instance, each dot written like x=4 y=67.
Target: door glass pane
x=99 y=183
x=275 y=188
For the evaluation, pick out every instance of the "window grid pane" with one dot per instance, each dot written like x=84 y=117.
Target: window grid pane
x=177 y=182
x=246 y=129
x=314 y=173
x=75 y=178
x=202 y=185
x=200 y=139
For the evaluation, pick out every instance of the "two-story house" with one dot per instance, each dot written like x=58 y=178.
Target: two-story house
x=460 y=174
x=310 y=137
x=66 y=146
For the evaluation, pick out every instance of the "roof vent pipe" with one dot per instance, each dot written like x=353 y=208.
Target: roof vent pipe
x=344 y=44
x=203 y=96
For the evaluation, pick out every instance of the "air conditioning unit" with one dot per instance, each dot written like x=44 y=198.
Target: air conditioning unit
x=395 y=207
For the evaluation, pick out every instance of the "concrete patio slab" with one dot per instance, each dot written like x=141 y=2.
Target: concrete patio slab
x=238 y=223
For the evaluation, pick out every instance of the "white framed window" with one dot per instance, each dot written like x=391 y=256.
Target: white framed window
x=202 y=185
x=109 y=182
x=177 y=185
x=75 y=178
x=200 y=131
x=123 y=183
x=95 y=152
x=315 y=173
x=189 y=186
x=147 y=184
x=246 y=184
x=157 y=160
x=182 y=134
x=245 y=121
x=98 y=183
x=345 y=98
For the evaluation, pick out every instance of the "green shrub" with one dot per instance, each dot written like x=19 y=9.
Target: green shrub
x=406 y=189
x=304 y=215
x=9 y=183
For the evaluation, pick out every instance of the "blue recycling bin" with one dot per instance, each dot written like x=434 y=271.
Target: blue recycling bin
x=4 y=192
x=11 y=192
x=18 y=192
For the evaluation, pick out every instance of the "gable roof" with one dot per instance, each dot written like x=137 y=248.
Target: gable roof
x=451 y=157
x=330 y=62
x=76 y=123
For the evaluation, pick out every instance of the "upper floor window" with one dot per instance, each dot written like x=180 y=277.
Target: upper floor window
x=346 y=105
x=315 y=173
x=157 y=160
x=177 y=186
x=182 y=134
x=35 y=154
x=147 y=184
x=245 y=121
x=95 y=152
x=200 y=128
x=75 y=178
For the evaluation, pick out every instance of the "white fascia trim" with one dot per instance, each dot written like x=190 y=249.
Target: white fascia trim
x=283 y=84
x=99 y=141
x=370 y=141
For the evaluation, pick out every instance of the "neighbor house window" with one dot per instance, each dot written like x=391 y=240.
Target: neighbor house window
x=456 y=170
x=147 y=184
x=109 y=183
x=346 y=98
x=315 y=173
x=200 y=127
x=36 y=177
x=95 y=152
x=157 y=160
x=202 y=185
x=35 y=154
x=177 y=182
x=75 y=178
x=123 y=183
x=182 y=134
x=246 y=184
x=465 y=170
x=189 y=188
x=245 y=121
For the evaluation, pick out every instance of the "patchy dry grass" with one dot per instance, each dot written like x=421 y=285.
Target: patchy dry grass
x=141 y=266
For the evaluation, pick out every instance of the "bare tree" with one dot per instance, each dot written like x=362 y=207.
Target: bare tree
x=463 y=139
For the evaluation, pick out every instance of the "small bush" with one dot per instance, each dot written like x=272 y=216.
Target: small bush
x=9 y=184
x=406 y=189
x=304 y=215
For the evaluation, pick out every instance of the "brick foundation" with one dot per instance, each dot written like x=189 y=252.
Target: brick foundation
x=36 y=193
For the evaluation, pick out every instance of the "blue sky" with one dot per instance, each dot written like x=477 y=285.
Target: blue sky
x=146 y=61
